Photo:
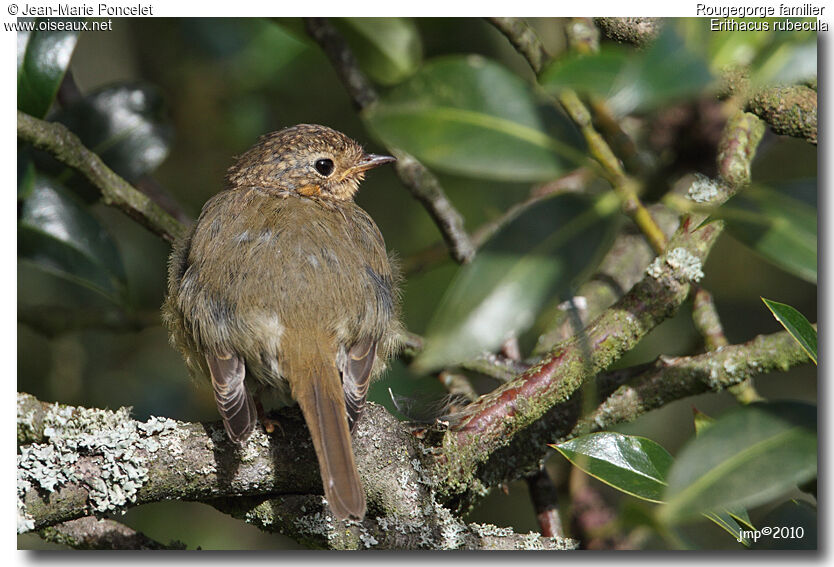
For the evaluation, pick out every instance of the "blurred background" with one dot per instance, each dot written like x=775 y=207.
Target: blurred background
x=209 y=88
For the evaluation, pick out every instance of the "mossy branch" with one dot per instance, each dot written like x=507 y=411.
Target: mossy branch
x=115 y=191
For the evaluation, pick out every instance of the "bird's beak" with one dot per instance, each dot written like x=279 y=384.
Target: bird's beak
x=370 y=161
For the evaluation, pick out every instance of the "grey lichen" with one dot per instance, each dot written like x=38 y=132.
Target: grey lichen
x=119 y=448
x=685 y=266
x=704 y=189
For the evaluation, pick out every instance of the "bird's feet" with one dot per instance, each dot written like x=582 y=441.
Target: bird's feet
x=269 y=424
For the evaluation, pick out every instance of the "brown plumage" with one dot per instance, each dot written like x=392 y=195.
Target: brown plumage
x=284 y=282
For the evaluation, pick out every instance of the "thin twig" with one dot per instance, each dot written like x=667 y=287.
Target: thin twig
x=574 y=182
x=519 y=33
x=67 y=148
x=545 y=503
x=524 y=39
x=708 y=324
x=422 y=184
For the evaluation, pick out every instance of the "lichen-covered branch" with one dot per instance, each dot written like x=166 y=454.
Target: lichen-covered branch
x=422 y=184
x=67 y=148
x=790 y=110
x=708 y=324
x=78 y=461
x=674 y=378
x=739 y=142
x=94 y=533
x=636 y=31
x=622 y=267
x=431 y=526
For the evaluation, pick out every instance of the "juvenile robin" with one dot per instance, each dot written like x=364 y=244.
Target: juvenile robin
x=284 y=283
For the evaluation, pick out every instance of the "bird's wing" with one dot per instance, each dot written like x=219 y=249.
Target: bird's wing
x=356 y=377
x=235 y=404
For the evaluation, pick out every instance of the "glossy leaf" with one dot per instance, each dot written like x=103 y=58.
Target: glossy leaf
x=388 y=49
x=778 y=226
x=503 y=289
x=58 y=235
x=125 y=125
x=727 y=519
x=633 y=80
x=797 y=325
x=42 y=60
x=634 y=465
x=747 y=457
x=470 y=116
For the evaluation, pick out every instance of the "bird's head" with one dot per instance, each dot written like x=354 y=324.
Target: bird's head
x=310 y=160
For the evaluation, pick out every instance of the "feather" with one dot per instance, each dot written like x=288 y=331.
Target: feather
x=235 y=404
x=356 y=377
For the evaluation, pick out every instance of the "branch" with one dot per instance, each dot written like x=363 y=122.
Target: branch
x=93 y=533
x=524 y=39
x=422 y=184
x=739 y=142
x=636 y=31
x=545 y=502
x=575 y=182
x=693 y=375
x=428 y=527
x=115 y=191
x=708 y=324
x=492 y=423
x=789 y=110
x=83 y=461
x=623 y=266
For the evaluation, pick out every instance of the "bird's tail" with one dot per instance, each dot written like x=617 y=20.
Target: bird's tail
x=317 y=388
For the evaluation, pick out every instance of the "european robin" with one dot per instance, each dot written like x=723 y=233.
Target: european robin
x=284 y=283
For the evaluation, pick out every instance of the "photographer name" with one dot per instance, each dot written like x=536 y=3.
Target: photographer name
x=87 y=10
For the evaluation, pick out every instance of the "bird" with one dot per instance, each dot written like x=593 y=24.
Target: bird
x=284 y=285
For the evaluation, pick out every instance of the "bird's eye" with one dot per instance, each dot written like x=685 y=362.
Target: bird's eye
x=324 y=166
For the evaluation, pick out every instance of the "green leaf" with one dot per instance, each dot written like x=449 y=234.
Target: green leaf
x=59 y=236
x=502 y=290
x=778 y=226
x=470 y=116
x=125 y=125
x=42 y=60
x=634 y=465
x=747 y=457
x=588 y=73
x=25 y=171
x=388 y=49
x=702 y=421
x=724 y=518
x=797 y=325
x=633 y=80
x=725 y=521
